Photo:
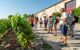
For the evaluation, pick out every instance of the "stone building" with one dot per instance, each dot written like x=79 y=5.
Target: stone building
x=68 y=4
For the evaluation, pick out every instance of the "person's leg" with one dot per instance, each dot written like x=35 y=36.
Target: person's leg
x=40 y=25
x=32 y=27
x=69 y=30
x=45 y=26
x=36 y=26
x=55 y=30
x=49 y=30
x=65 y=39
x=65 y=34
x=61 y=38
x=72 y=31
x=50 y=26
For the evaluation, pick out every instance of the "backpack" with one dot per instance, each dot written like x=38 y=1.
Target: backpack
x=76 y=19
x=70 y=19
x=57 y=21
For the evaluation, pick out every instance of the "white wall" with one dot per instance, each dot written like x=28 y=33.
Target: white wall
x=52 y=9
x=77 y=3
x=61 y=5
x=39 y=15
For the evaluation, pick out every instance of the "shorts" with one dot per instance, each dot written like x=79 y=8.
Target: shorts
x=64 y=29
x=55 y=26
x=50 y=25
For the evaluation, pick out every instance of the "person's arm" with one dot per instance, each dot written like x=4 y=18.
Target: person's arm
x=59 y=18
x=54 y=21
x=64 y=17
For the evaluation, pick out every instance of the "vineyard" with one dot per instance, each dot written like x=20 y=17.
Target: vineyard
x=20 y=26
x=16 y=34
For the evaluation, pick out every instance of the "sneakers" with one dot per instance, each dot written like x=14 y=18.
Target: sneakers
x=71 y=36
x=55 y=34
x=63 y=45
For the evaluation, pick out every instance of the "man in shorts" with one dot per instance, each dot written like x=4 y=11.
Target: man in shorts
x=54 y=24
x=63 y=27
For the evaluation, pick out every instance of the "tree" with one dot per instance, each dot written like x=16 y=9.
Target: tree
x=25 y=15
x=56 y=14
x=9 y=17
x=77 y=13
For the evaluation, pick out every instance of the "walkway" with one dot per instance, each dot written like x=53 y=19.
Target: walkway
x=73 y=43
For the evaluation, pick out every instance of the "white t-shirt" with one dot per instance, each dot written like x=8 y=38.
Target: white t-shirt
x=63 y=15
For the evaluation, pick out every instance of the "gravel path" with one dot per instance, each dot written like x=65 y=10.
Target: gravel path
x=73 y=43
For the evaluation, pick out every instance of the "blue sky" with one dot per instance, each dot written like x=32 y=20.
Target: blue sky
x=8 y=7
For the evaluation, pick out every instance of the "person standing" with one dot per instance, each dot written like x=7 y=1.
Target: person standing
x=35 y=24
x=50 y=24
x=71 y=22
x=31 y=20
x=41 y=22
x=45 y=22
x=54 y=24
x=63 y=27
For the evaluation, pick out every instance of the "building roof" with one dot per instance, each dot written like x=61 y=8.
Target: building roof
x=50 y=6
